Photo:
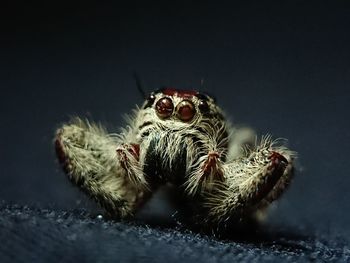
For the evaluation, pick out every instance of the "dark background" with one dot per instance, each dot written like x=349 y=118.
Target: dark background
x=281 y=67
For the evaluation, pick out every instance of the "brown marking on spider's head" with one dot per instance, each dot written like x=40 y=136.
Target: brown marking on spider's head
x=185 y=94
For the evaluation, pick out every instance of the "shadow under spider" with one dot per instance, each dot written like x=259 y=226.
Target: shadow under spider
x=280 y=238
x=277 y=237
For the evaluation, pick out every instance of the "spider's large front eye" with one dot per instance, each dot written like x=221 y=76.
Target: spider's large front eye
x=185 y=110
x=164 y=107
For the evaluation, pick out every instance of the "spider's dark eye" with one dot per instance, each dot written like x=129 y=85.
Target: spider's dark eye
x=164 y=107
x=203 y=106
x=149 y=101
x=185 y=110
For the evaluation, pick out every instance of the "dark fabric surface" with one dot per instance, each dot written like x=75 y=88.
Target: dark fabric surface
x=42 y=235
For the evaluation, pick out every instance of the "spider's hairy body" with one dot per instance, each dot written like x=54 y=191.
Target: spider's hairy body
x=181 y=138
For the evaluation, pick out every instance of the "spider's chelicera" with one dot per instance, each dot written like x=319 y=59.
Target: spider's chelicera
x=181 y=138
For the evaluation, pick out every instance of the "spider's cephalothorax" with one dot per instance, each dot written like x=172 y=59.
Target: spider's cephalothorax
x=185 y=139
x=182 y=138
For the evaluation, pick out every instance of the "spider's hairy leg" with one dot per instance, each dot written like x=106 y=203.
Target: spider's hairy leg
x=252 y=182
x=220 y=142
x=89 y=157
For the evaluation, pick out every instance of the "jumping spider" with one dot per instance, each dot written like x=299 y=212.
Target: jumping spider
x=181 y=138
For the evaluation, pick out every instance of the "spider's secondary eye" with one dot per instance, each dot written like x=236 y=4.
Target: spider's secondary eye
x=164 y=107
x=185 y=110
x=149 y=101
x=203 y=106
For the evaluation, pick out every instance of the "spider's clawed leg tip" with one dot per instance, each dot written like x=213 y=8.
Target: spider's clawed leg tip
x=61 y=155
x=59 y=149
x=277 y=158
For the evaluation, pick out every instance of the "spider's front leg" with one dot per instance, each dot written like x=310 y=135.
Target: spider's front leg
x=208 y=169
x=251 y=183
x=101 y=166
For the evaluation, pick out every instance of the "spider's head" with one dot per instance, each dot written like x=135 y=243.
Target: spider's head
x=182 y=105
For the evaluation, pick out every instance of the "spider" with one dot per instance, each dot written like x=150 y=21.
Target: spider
x=177 y=137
